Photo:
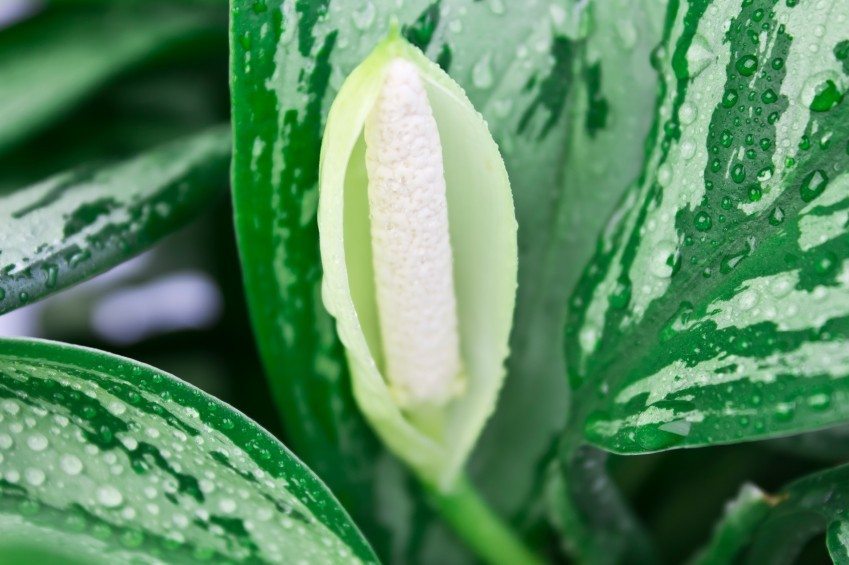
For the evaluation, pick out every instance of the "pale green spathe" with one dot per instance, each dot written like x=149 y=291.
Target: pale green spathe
x=482 y=230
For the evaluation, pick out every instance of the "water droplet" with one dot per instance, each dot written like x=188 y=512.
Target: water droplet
x=364 y=17
x=738 y=173
x=777 y=216
x=664 y=175
x=482 y=72
x=227 y=505
x=769 y=96
x=729 y=98
x=748 y=299
x=627 y=31
x=496 y=7
x=688 y=149
x=654 y=437
x=699 y=56
x=109 y=496
x=687 y=114
x=813 y=185
x=663 y=262
x=117 y=408
x=747 y=65
x=6 y=441
x=702 y=221
x=825 y=263
x=754 y=192
x=785 y=412
x=765 y=174
x=52 y=275
x=37 y=442
x=819 y=401
x=71 y=464
x=34 y=476
x=826 y=97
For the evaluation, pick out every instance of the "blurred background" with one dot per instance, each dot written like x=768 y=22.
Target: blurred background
x=180 y=306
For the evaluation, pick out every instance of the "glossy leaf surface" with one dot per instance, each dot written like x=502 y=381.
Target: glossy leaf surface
x=50 y=62
x=70 y=227
x=717 y=307
x=108 y=460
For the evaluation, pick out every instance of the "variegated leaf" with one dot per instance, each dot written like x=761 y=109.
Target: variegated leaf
x=717 y=307
x=79 y=223
x=106 y=460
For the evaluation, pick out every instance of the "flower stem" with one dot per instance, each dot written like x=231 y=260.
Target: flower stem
x=483 y=531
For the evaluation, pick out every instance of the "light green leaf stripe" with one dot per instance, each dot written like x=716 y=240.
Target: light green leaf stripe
x=77 y=224
x=108 y=457
x=717 y=307
x=49 y=63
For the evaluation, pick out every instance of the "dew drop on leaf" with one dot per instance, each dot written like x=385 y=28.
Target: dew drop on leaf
x=109 y=496
x=702 y=221
x=747 y=65
x=813 y=185
x=729 y=98
x=827 y=97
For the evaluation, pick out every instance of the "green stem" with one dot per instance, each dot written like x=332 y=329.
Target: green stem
x=476 y=524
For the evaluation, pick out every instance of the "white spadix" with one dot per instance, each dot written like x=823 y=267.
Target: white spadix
x=418 y=247
x=413 y=261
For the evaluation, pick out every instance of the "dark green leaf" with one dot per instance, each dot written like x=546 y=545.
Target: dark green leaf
x=106 y=458
x=75 y=225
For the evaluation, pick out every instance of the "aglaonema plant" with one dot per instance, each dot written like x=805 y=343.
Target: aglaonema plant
x=457 y=320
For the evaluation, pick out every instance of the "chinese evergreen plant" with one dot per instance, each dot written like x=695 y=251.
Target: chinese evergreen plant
x=500 y=263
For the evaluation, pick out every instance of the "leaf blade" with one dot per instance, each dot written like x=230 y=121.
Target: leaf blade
x=91 y=435
x=695 y=287
x=77 y=224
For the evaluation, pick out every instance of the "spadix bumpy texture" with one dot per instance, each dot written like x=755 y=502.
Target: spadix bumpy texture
x=410 y=242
